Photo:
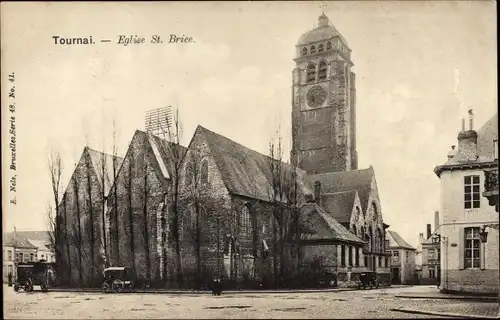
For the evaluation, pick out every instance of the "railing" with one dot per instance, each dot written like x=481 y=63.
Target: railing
x=491 y=186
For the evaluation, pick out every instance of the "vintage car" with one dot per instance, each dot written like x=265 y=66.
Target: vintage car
x=368 y=279
x=118 y=279
x=30 y=274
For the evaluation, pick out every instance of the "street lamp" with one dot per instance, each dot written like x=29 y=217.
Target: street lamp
x=483 y=235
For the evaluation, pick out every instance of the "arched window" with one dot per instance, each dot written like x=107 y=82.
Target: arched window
x=363 y=235
x=379 y=240
x=322 y=70
x=354 y=230
x=329 y=45
x=188 y=174
x=304 y=51
x=245 y=222
x=320 y=48
x=370 y=239
x=313 y=49
x=311 y=73
x=204 y=172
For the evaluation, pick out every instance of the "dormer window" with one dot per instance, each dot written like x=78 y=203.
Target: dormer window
x=320 y=48
x=304 y=51
x=322 y=70
x=313 y=49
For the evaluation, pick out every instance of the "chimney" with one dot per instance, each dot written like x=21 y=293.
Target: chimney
x=452 y=152
x=471 y=119
x=436 y=220
x=467 y=142
x=317 y=192
x=421 y=238
x=428 y=231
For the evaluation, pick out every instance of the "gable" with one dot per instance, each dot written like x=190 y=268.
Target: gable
x=103 y=166
x=396 y=241
x=324 y=226
x=339 y=205
x=353 y=180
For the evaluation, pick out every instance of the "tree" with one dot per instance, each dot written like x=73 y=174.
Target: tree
x=284 y=197
x=145 y=235
x=90 y=220
x=55 y=232
x=76 y=236
x=175 y=153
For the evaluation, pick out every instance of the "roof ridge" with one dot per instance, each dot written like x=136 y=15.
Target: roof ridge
x=239 y=144
x=340 y=192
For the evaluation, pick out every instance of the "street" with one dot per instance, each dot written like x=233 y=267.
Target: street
x=375 y=303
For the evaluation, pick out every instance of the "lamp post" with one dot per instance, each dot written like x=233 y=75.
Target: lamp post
x=437 y=239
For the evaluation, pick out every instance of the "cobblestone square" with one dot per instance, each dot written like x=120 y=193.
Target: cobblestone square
x=375 y=303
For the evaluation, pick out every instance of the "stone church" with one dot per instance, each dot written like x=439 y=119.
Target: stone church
x=220 y=209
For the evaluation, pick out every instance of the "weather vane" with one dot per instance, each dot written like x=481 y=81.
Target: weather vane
x=322 y=6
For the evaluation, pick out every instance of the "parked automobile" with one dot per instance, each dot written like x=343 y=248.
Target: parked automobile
x=368 y=279
x=118 y=279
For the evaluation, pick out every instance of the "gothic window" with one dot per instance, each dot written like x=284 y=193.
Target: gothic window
x=304 y=51
x=375 y=212
x=320 y=48
x=472 y=192
x=245 y=220
x=322 y=70
x=357 y=257
x=188 y=174
x=329 y=45
x=354 y=230
x=313 y=49
x=204 y=172
x=311 y=73
x=350 y=256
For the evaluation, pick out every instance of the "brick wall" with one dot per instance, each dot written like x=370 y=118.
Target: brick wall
x=80 y=226
x=134 y=218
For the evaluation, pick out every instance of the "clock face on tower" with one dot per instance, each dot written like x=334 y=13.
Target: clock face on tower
x=316 y=96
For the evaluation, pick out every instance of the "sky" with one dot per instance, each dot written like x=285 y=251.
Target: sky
x=419 y=66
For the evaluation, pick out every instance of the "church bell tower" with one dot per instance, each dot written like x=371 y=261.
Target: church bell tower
x=323 y=98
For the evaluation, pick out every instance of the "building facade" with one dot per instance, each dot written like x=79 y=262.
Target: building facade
x=16 y=249
x=402 y=262
x=469 y=260
x=430 y=254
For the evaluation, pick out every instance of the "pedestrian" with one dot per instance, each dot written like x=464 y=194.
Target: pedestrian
x=10 y=279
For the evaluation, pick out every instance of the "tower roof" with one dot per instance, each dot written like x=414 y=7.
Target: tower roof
x=324 y=31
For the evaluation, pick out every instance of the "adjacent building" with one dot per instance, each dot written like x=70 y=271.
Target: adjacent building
x=402 y=262
x=16 y=249
x=468 y=232
x=430 y=254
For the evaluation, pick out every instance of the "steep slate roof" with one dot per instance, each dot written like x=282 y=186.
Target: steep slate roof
x=339 y=204
x=19 y=241
x=97 y=159
x=244 y=171
x=313 y=216
x=395 y=241
x=359 y=180
x=485 y=136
